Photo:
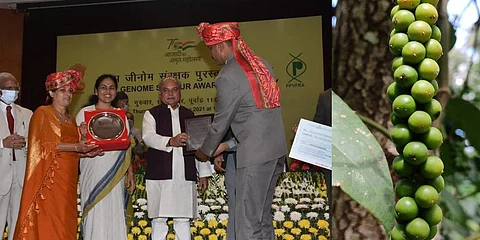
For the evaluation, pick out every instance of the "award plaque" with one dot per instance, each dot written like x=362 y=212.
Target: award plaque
x=107 y=128
x=197 y=128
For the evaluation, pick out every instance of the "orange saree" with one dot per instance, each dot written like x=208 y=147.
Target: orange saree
x=48 y=208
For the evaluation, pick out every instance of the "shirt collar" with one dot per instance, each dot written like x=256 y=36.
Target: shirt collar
x=3 y=106
x=170 y=107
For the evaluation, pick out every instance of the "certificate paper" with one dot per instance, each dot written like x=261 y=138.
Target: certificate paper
x=313 y=144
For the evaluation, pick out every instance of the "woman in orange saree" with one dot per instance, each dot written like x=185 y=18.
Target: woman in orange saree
x=48 y=209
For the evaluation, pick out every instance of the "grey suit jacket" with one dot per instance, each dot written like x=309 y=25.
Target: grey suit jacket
x=323 y=114
x=21 y=125
x=260 y=132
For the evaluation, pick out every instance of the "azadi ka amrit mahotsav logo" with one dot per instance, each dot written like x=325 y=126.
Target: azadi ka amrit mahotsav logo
x=178 y=45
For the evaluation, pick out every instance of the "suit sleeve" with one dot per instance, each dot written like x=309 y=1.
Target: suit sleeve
x=317 y=117
x=227 y=105
x=232 y=144
x=323 y=114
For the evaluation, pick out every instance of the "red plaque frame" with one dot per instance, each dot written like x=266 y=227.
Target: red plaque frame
x=120 y=142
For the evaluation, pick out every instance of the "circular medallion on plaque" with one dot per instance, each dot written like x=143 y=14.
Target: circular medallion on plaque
x=106 y=126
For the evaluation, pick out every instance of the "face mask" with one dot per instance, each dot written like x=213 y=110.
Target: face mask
x=125 y=107
x=9 y=96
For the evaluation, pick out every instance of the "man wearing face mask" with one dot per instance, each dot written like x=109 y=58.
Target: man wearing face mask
x=14 y=124
x=121 y=101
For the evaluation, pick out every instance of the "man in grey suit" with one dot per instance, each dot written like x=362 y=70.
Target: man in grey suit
x=249 y=103
x=226 y=161
x=14 y=124
x=323 y=114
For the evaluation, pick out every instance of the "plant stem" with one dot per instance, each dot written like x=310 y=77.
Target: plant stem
x=374 y=124
x=475 y=45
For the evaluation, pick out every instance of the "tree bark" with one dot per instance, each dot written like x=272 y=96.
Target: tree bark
x=361 y=58
x=352 y=221
x=361 y=72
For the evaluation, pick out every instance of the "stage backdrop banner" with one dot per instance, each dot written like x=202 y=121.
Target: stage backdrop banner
x=139 y=59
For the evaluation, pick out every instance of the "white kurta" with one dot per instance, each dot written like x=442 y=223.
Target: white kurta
x=110 y=210
x=175 y=197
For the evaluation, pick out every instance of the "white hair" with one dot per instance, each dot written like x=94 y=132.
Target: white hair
x=5 y=75
x=170 y=78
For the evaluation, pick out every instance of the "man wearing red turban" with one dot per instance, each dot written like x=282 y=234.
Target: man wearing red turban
x=249 y=103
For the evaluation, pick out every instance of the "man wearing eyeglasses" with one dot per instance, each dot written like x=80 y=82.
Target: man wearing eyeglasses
x=14 y=124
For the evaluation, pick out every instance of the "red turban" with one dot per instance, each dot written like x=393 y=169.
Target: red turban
x=60 y=79
x=264 y=87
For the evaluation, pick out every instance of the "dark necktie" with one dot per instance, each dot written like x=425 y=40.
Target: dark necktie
x=10 y=125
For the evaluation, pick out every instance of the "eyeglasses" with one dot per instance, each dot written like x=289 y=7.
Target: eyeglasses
x=11 y=88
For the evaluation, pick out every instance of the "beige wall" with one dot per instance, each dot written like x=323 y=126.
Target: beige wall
x=11 y=41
